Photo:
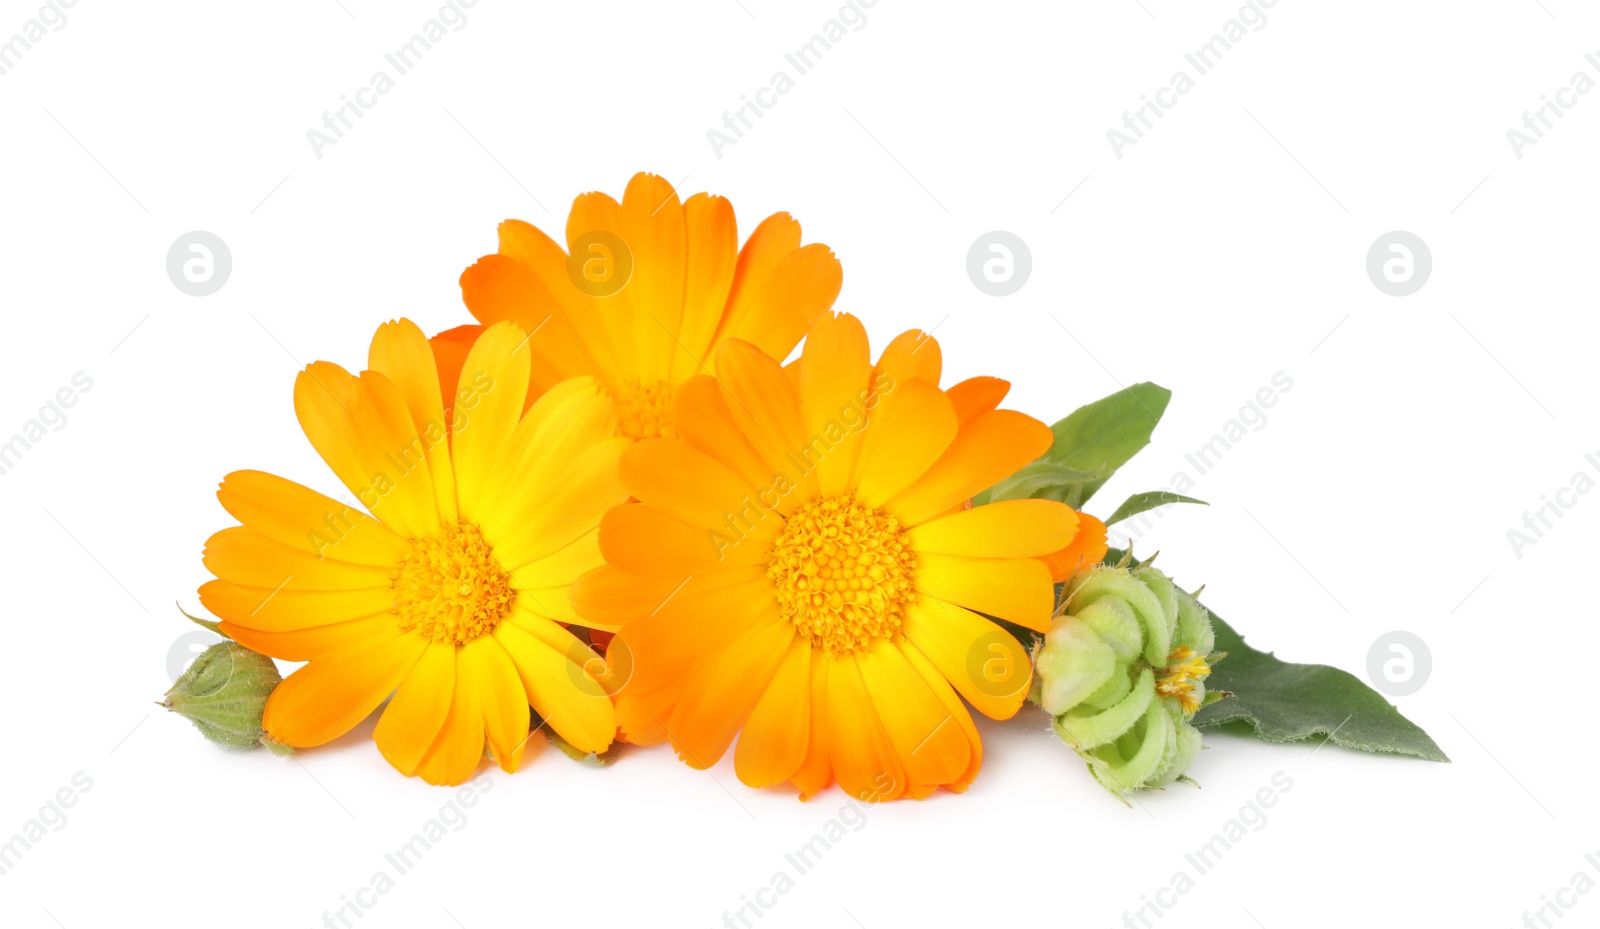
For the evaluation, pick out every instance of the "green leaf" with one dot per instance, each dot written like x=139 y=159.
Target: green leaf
x=1043 y=479
x=1149 y=500
x=1283 y=702
x=1100 y=438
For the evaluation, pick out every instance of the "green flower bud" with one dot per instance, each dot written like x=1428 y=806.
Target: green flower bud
x=224 y=693
x=1123 y=671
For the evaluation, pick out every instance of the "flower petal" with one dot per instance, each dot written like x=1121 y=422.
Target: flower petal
x=1015 y=589
x=984 y=662
x=412 y=720
x=1007 y=529
x=774 y=740
x=328 y=697
x=991 y=449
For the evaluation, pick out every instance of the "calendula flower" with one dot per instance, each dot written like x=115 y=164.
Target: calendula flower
x=802 y=569
x=644 y=292
x=453 y=594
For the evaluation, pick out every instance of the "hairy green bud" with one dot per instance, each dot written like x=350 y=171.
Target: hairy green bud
x=1122 y=670
x=224 y=692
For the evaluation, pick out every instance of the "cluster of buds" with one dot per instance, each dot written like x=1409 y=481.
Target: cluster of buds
x=1122 y=671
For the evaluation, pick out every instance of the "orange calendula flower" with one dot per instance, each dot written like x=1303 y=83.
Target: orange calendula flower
x=453 y=594
x=644 y=291
x=801 y=568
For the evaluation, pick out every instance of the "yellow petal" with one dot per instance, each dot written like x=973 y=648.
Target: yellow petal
x=1007 y=529
x=910 y=429
x=282 y=610
x=298 y=516
x=653 y=228
x=457 y=750
x=984 y=662
x=403 y=354
x=245 y=556
x=835 y=377
x=773 y=743
x=991 y=449
x=925 y=735
x=712 y=252
x=566 y=696
x=500 y=696
x=864 y=762
x=417 y=712
x=496 y=375
x=721 y=691
x=328 y=697
x=1014 y=589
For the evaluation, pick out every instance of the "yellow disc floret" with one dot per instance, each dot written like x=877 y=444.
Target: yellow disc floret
x=843 y=573
x=644 y=411
x=450 y=588
x=1184 y=668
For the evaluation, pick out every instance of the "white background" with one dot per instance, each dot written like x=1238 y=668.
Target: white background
x=1225 y=247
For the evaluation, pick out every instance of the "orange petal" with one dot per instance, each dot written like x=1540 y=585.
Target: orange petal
x=417 y=712
x=1088 y=548
x=695 y=488
x=566 y=695
x=773 y=744
x=764 y=405
x=722 y=690
x=911 y=428
x=923 y=731
x=991 y=449
x=450 y=349
x=802 y=287
x=316 y=641
x=952 y=703
x=500 y=695
x=864 y=761
x=975 y=396
x=816 y=772
x=400 y=352
x=835 y=377
x=700 y=414
x=328 y=697
x=457 y=750
x=288 y=610
x=713 y=253
x=245 y=556
x=298 y=516
x=912 y=354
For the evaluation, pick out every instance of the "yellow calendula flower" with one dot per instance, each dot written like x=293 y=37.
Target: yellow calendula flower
x=643 y=293
x=802 y=568
x=453 y=594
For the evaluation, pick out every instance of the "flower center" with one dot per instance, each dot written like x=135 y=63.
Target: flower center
x=843 y=573
x=450 y=588
x=1184 y=668
x=644 y=411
